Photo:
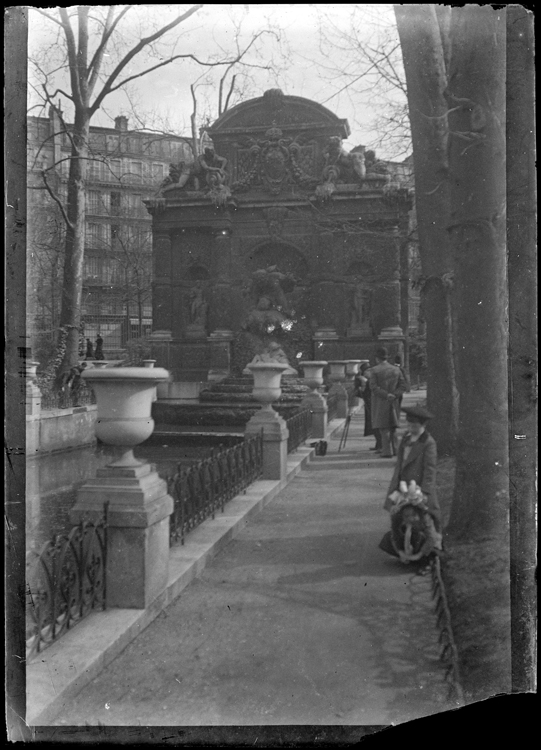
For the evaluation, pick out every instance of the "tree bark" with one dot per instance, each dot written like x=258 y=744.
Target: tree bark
x=426 y=77
x=476 y=97
x=72 y=287
x=522 y=274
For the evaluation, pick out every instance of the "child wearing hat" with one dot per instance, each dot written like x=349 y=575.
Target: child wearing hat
x=416 y=461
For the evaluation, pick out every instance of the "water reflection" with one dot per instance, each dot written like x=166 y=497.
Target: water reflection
x=52 y=480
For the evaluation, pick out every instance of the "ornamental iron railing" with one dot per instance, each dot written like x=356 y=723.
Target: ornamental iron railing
x=300 y=429
x=65 y=583
x=200 y=490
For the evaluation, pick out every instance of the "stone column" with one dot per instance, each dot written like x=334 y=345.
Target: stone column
x=275 y=435
x=161 y=286
x=221 y=254
x=390 y=294
x=137 y=532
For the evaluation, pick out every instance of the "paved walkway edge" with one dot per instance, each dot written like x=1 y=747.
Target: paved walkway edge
x=67 y=666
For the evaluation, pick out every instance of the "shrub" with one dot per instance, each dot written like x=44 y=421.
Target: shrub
x=138 y=349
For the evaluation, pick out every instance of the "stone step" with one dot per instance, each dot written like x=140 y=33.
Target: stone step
x=242 y=398
x=247 y=389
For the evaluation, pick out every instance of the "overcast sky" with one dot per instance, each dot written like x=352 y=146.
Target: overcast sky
x=308 y=48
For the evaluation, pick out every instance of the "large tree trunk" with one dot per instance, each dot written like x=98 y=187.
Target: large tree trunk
x=72 y=287
x=424 y=58
x=522 y=272
x=476 y=97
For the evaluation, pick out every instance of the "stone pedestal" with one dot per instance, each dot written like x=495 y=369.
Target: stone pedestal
x=195 y=331
x=275 y=435
x=160 y=344
x=137 y=533
x=220 y=354
x=32 y=392
x=342 y=404
x=362 y=331
x=318 y=406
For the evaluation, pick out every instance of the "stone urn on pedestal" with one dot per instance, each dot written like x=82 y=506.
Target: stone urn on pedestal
x=139 y=506
x=313 y=373
x=267 y=389
x=352 y=368
x=313 y=377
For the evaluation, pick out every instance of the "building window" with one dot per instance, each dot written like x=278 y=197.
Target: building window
x=157 y=172
x=116 y=167
x=136 y=171
x=92 y=267
x=94 y=169
x=98 y=203
x=98 y=235
x=92 y=201
x=115 y=204
x=133 y=201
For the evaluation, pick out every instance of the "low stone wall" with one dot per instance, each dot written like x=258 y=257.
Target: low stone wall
x=59 y=429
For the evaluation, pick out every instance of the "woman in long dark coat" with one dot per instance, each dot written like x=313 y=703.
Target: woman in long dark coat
x=363 y=388
x=417 y=460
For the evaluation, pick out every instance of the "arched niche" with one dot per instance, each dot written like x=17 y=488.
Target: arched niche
x=197 y=273
x=281 y=254
x=360 y=270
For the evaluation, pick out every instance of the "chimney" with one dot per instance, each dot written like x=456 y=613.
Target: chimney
x=121 y=123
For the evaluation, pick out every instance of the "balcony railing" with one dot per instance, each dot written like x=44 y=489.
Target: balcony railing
x=200 y=490
x=65 y=583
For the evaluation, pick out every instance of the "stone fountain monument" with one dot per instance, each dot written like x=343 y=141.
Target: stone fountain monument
x=274 y=230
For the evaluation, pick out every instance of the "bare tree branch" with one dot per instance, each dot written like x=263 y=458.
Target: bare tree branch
x=108 y=87
x=56 y=200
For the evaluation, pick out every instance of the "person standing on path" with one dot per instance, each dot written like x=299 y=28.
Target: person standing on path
x=398 y=363
x=98 y=354
x=386 y=385
x=362 y=384
x=417 y=460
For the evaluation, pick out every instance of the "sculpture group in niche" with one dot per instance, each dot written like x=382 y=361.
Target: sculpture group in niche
x=273 y=352
x=360 y=307
x=269 y=314
x=198 y=308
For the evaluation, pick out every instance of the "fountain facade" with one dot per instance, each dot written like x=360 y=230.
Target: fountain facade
x=278 y=236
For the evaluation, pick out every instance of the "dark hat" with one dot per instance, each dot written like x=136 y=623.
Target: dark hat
x=382 y=352
x=418 y=411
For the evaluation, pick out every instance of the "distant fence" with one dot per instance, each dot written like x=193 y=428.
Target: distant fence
x=68 y=399
x=200 y=490
x=300 y=428
x=65 y=583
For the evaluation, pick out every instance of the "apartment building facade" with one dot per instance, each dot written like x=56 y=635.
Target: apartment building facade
x=125 y=167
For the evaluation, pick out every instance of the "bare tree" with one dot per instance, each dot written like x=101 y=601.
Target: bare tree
x=455 y=69
x=476 y=98
x=99 y=55
x=88 y=35
x=422 y=30
x=363 y=61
